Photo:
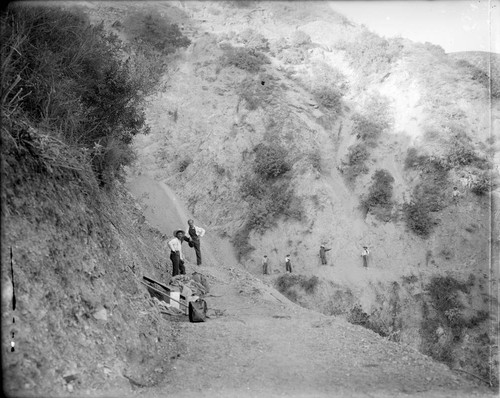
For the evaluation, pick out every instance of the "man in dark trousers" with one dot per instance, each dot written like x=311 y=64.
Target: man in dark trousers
x=322 y=254
x=193 y=235
x=364 y=254
x=288 y=264
x=265 y=264
x=176 y=256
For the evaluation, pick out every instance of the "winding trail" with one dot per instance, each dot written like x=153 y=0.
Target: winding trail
x=259 y=344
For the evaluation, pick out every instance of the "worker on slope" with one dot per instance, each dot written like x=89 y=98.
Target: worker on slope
x=193 y=235
x=322 y=254
x=176 y=256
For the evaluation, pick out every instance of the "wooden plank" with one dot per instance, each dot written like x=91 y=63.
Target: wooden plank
x=163 y=293
x=158 y=283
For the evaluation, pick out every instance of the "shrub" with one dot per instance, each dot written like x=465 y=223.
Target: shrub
x=355 y=164
x=371 y=53
x=300 y=38
x=241 y=243
x=481 y=185
x=76 y=82
x=415 y=161
x=380 y=191
x=270 y=161
x=257 y=92
x=329 y=98
x=254 y=40
x=287 y=284
x=293 y=56
x=366 y=130
x=245 y=59
x=418 y=219
x=155 y=31
x=184 y=164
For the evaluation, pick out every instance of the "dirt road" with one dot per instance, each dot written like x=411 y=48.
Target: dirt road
x=259 y=344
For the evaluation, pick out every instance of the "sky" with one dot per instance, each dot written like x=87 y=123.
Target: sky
x=455 y=25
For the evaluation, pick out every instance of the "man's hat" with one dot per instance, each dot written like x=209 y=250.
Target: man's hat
x=365 y=247
x=177 y=231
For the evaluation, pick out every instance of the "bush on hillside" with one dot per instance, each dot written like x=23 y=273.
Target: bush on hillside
x=288 y=284
x=300 y=38
x=380 y=192
x=243 y=58
x=482 y=184
x=418 y=219
x=257 y=92
x=371 y=53
x=329 y=98
x=254 y=40
x=68 y=77
x=415 y=161
x=270 y=161
x=355 y=165
x=155 y=31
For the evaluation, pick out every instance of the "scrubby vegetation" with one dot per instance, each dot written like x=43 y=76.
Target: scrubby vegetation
x=68 y=80
x=371 y=53
x=155 y=31
x=447 y=324
x=287 y=284
x=243 y=58
x=379 y=197
x=268 y=192
x=257 y=92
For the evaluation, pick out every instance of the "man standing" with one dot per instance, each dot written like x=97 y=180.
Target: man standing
x=364 y=255
x=193 y=235
x=322 y=254
x=176 y=255
x=265 y=265
x=288 y=264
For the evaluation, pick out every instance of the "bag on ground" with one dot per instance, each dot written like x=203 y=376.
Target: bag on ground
x=197 y=311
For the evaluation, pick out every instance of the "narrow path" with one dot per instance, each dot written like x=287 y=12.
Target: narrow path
x=259 y=344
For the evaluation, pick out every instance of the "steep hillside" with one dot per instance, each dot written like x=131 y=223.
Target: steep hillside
x=272 y=132
x=278 y=128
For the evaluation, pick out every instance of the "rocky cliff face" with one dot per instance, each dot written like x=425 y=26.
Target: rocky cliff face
x=217 y=109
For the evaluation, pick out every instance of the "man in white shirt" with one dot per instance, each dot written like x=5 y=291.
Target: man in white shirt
x=265 y=265
x=193 y=235
x=364 y=255
x=176 y=255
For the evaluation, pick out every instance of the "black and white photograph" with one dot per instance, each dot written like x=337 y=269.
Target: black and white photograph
x=250 y=199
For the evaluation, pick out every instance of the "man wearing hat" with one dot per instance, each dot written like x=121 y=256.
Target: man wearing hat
x=364 y=255
x=322 y=254
x=176 y=255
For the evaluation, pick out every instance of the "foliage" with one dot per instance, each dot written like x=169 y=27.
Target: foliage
x=293 y=56
x=371 y=53
x=418 y=219
x=329 y=98
x=154 y=30
x=240 y=241
x=242 y=58
x=68 y=77
x=184 y=163
x=355 y=165
x=257 y=92
x=300 y=38
x=482 y=184
x=270 y=161
x=254 y=40
x=450 y=315
x=415 y=161
x=380 y=191
x=287 y=284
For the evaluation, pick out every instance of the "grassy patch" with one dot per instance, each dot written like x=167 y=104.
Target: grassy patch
x=289 y=284
x=243 y=58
